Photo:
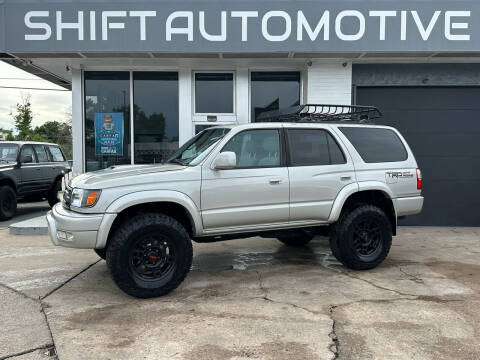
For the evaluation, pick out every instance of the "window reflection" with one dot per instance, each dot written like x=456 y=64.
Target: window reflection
x=155 y=116
x=214 y=93
x=273 y=91
x=107 y=92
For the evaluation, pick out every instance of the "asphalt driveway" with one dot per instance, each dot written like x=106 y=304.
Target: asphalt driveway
x=248 y=299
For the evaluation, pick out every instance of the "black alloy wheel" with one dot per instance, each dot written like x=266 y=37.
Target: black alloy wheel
x=152 y=258
x=367 y=239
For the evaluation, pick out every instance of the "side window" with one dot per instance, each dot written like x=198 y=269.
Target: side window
x=256 y=148
x=42 y=155
x=56 y=154
x=376 y=145
x=26 y=151
x=310 y=147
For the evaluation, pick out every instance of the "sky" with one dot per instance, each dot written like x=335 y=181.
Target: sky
x=46 y=105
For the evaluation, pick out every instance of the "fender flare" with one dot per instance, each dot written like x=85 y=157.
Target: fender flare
x=143 y=197
x=350 y=189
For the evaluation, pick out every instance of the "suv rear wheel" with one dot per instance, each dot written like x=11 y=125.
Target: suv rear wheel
x=362 y=238
x=149 y=255
x=8 y=202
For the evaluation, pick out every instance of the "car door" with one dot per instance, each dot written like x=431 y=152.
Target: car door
x=30 y=172
x=253 y=194
x=318 y=170
x=45 y=165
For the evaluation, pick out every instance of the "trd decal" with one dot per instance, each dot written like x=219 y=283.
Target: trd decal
x=400 y=175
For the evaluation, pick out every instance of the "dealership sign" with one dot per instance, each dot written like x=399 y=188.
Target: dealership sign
x=240 y=26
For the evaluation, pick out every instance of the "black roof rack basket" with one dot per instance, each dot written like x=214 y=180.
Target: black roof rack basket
x=322 y=113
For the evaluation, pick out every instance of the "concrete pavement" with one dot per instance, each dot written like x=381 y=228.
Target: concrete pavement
x=249 y=299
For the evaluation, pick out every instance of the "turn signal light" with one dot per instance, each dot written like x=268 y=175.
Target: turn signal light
x=419 y=180
x=92 y=198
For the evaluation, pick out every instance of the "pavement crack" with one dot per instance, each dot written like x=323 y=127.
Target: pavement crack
x=412 y=277
x=335 y=345
x=47 y=349
x=53 y=348
x=267 y=298
x=68 y=280
x=375 y=285
x=18 y=292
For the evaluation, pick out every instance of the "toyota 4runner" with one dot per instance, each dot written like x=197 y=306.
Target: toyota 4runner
x=316 y=169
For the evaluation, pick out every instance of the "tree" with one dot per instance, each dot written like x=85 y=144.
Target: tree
x=56 y=132
x=23 y=118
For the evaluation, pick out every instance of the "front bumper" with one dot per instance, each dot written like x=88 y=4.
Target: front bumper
x=71 y=229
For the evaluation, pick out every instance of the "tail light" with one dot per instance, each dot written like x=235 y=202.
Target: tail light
x=419 y=180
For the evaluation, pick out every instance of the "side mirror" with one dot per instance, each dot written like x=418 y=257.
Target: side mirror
x=225 y=160
x=26 y=159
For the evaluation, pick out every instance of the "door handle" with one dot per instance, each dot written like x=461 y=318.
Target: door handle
x=345 y=178
x=275 y=181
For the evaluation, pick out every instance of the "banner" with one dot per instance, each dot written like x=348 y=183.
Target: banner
x=109 y=134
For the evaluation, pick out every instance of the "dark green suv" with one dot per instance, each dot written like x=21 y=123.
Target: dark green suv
x=29 y=171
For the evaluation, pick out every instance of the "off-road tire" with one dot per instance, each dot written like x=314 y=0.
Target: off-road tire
x=296 y=239
x=341 y=238
x=52 y=195
x=102 y=253
x=8 y=203
x=123 y=244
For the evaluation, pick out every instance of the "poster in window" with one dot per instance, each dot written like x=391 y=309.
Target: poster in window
x=109 y=134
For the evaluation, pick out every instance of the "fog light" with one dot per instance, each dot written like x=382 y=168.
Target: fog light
x=65 y=236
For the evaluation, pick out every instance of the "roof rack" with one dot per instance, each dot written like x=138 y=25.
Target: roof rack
x=322 y=113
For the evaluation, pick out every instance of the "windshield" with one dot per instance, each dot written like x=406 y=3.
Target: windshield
x=8 y=153
x=198 y=147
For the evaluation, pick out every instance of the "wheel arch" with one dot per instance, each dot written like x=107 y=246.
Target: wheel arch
x=372 y=193
x=171 y=203
x=9 y=182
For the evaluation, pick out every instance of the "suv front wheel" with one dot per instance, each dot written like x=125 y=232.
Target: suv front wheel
x=362 y=238
x=149 y=255
x=8 y=202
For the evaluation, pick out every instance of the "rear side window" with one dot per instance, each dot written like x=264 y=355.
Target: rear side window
x=56 y=153
x=309 y=147
x=376 y=145
x=42 y=155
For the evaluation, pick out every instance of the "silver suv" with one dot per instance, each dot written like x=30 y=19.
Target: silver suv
x=322 y=172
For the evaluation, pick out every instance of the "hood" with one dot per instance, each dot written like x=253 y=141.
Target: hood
x=122 y=175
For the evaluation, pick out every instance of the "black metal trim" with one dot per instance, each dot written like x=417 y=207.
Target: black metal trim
x=311 y=113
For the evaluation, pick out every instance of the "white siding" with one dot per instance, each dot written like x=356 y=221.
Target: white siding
x=77 y=122
x=329 y=83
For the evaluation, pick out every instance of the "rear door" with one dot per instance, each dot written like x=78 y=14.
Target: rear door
x=318 y=170
x=59 y=163
x=45 y=166
x=30 y=172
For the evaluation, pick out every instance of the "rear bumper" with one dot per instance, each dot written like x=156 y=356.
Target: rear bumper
x=71 y=229
x=409 y=205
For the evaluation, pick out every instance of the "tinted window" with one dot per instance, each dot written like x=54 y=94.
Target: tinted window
x=155 y=116
x=107 y=99
x=214 y=93
x=313 y=147
x=26 y=151
x=273 y=91
x=256 y=148
x=56 y=153
x=42 y=155
x=376 y=145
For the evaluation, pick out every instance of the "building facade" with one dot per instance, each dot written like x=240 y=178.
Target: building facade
x=148 y=75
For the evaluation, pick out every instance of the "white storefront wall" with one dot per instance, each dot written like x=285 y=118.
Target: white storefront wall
x=322 y=81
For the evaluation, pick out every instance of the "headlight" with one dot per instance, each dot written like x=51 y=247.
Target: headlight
x=85 y=198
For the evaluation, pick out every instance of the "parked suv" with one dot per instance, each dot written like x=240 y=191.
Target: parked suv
x=323 y=171
x=29 y=171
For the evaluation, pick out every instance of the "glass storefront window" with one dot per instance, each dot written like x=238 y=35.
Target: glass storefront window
x=214 y=93
x=107 y=119
x=156 y=118
x=273 y=91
